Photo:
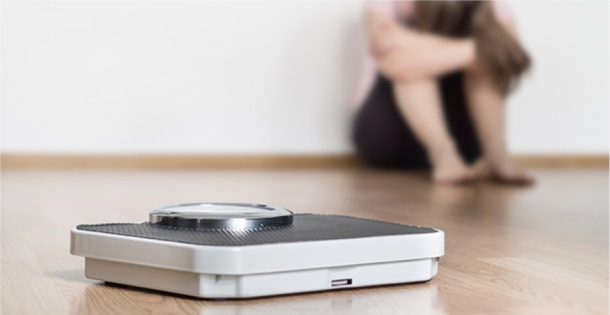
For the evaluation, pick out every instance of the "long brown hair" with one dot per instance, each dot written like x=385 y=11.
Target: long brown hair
x=497 y=50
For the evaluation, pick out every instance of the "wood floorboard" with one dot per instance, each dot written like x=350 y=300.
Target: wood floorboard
x=538 y=250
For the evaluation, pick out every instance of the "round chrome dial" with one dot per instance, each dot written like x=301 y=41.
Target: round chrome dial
x=233 y=216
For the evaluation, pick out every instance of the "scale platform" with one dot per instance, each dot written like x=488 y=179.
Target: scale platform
x=228 y=250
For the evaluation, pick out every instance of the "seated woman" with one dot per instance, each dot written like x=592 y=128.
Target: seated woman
x=444 y=69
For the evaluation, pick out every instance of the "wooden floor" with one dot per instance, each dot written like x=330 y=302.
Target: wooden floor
x=508 y=250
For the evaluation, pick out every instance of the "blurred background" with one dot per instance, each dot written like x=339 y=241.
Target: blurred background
x=262 y=78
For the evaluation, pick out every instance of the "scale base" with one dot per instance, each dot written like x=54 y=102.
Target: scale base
x=214 y=286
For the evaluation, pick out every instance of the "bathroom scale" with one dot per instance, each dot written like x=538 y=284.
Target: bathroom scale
x=236 y=250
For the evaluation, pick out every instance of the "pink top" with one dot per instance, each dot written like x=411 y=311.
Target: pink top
x=402 y=10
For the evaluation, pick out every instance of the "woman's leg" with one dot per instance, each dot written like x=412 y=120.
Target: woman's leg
x=380 y=134
x=420 y=105
x=486 y=108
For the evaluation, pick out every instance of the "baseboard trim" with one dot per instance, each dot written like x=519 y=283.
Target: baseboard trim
x=156 y=161
x=186 y=161
x=563 y=161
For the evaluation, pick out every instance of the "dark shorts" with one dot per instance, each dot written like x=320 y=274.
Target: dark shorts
x=383 y=138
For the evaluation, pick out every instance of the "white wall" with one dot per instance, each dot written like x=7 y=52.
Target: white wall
x=563 y=105
x=256 y=77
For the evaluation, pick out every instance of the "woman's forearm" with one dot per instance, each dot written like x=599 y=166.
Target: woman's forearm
x=378 y=25
x=441 y=56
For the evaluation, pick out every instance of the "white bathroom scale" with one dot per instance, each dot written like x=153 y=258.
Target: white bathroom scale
x=229 y=250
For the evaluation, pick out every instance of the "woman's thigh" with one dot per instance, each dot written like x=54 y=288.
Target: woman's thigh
x=382 y=137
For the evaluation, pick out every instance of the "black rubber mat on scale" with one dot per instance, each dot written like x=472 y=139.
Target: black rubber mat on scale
x=305 y=227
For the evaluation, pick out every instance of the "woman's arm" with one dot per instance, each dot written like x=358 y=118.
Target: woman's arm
x=379 y=25
x=407 y=55
x=444 y=56
x=404 y=54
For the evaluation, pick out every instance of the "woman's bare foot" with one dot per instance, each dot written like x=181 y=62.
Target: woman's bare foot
x=505 y=172
x=482 y=169
x=449 y=169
